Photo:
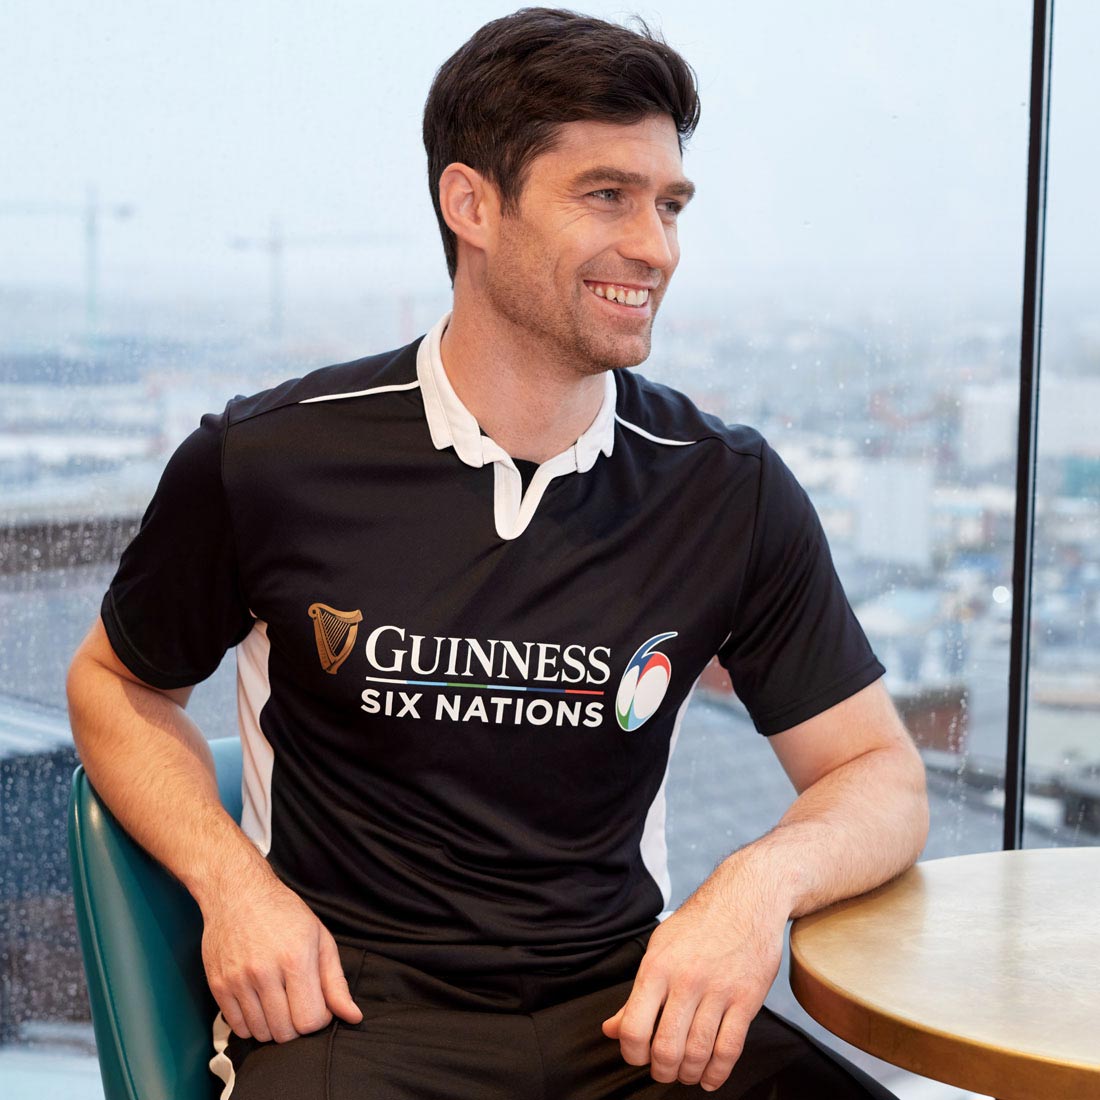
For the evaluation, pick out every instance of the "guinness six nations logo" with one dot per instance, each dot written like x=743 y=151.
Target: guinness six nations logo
x=644 y=684
x=496 y=681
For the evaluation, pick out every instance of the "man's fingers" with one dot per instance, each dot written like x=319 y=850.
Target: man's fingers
x=638 y=1018
x=611 y=1025
x=233 y=1016
x=698 y=1045
x=667 y=1049
x=276 y=1010
x=253 y=1014
x=728 y=1044
x=308 y=1011
x=334 y=985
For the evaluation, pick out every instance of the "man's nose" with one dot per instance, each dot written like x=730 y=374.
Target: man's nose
x=647 y=239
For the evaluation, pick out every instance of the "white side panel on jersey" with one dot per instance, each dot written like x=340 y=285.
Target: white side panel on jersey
x=253 y=692
x=654 y=846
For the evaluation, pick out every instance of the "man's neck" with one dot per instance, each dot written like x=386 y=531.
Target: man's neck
x=525 y=401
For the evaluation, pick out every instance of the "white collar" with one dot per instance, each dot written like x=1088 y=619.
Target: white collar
x=453 y=425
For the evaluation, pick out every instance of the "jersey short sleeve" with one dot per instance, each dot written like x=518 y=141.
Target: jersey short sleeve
x=796 y=647
x=175 y=605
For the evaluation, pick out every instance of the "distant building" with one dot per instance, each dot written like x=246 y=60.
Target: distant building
x=894 y=513
x=1066 y=422
x=989 y=422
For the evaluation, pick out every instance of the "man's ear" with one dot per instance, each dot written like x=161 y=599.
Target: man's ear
x=470 y=205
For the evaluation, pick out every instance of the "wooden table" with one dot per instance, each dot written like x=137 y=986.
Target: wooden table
x=982 y=971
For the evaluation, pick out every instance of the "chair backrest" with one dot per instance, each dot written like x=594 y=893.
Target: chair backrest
x=141 y=938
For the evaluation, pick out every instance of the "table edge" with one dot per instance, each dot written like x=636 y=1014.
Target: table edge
x=927 y=1051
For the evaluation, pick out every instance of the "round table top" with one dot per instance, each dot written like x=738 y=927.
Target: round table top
x=980 y=970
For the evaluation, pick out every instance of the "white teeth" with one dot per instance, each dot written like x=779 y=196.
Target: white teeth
x=621 y=294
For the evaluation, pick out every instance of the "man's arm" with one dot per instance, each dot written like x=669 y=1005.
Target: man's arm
x=861 y=818
x=272 y=966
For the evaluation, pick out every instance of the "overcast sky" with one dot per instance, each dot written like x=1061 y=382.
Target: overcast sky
x=861 y=146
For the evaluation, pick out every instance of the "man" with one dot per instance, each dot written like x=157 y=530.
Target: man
x=471 y=584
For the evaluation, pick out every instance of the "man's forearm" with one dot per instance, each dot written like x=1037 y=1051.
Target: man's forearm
x=273 y=968
x=855 y=828
x=708 y=968
x=153 y=768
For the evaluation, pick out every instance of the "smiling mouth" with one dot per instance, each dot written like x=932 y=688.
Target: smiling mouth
x=624 y=295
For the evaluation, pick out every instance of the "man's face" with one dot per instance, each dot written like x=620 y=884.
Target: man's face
x=596 y=223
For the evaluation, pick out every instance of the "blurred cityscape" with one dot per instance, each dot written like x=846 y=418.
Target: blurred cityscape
x=902 y=431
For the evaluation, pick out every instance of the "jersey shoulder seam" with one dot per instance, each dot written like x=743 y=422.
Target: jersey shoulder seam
x=642 y=393
x=702 y=437
x=299 y=391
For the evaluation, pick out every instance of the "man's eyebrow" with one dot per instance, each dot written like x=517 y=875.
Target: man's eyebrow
x=681 y=188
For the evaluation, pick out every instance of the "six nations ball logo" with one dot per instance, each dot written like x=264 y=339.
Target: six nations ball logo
x=644 y=684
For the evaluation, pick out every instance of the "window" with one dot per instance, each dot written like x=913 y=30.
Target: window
x=1062 y=803
x=850 y=286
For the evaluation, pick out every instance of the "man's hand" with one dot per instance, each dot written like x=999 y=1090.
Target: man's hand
x=273 y=967
x=704 y=977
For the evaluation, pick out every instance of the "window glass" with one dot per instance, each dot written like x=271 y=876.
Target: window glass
x=1062 y=799
x=211 y=198
x=861 y=308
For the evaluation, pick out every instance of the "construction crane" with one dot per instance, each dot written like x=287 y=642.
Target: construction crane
x=276 y=243
x=90 y=213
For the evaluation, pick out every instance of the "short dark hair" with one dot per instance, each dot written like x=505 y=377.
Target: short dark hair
x=497 y=103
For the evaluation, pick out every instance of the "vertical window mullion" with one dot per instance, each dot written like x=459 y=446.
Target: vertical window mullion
x=1027 y=438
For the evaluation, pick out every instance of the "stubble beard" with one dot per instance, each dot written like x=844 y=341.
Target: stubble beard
x=561 y=332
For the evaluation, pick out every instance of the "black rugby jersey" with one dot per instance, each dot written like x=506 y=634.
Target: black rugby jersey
x=457 y=697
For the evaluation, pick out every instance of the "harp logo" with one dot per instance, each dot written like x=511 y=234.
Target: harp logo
x=334 y=632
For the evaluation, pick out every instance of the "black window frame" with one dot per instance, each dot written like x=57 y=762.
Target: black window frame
x=1031 y=329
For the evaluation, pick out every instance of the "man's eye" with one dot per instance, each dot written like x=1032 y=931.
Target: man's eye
x=611 y=194
x=672 y=206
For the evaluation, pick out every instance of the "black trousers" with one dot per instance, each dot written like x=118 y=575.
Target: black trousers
x=508 y=1038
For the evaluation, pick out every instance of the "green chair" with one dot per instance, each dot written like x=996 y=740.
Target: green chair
x=141 y=936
